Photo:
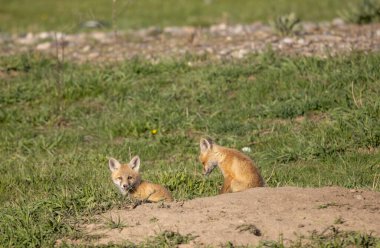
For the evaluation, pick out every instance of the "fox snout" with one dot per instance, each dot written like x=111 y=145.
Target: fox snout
x=126 y=187
x=207 y=170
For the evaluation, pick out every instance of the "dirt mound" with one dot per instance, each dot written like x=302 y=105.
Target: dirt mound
x=247 y=217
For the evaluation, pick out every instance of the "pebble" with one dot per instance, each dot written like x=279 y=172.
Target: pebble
x=288 y=41
x=338 y=22
x=359 y=197
x=43 y=46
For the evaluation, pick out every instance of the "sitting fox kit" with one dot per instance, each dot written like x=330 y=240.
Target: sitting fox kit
x=238 y=170
x=128 y=179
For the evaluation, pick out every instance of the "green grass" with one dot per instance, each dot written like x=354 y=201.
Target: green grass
x=67 y=15
x=55 y=145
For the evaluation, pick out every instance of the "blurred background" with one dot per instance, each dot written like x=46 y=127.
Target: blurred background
x=69 y=16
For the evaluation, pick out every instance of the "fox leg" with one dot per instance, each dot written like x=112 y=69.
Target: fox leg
x=226 y=188
x=237 y=186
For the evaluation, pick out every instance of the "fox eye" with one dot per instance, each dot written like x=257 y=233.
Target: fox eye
x=129 y=177
x=120 y=178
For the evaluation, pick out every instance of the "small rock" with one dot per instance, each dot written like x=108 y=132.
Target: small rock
x=43 y=46
x=359 y=197
x=303 y=42
x=86 y=48
x=94 y=24
x=100 y=36
x=27 y=40
x=151 y=31
x=93 y=55
x=44 y=35
x=338 y=22
x=288 y=41
x=58 y=35
x=217 y=28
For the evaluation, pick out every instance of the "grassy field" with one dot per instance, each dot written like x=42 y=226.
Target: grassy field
x=309 y=122
x=45 y=15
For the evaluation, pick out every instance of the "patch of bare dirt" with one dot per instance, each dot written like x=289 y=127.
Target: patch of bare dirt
x=247 y=217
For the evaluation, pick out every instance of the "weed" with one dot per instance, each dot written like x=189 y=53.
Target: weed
x=338 y=221
x=286 y=24
x=115 y=224
x=249 y=228
x=153 y=220
x=367 y=11
x=167 y=239
x=330 y=204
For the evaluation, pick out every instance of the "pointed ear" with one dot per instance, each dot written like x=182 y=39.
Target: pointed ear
x=113 y=164
x=205 y=144
x=135 y=163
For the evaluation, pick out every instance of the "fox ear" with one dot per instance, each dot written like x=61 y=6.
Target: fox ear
x=113 y=164
x=205 y=144
x=135 y=163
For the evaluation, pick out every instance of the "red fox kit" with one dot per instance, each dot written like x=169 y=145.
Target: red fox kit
x=238 y=170
x=127 y=178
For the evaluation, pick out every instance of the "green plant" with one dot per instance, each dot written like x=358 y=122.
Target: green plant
x=167 y=239
x=286 y=24
x=115 y=224
x=367 y=11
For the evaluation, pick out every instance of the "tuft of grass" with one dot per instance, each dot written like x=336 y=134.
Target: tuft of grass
x=286 y=25
x=339 y=221
x=364 y=12
x=115 y=223
x=167 y=239
x=327 y=205
x=251 y=228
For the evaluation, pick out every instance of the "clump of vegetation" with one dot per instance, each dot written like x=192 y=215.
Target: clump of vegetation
x=286 y=24
x=367 y=11
x=168 y=239
x=117 y=223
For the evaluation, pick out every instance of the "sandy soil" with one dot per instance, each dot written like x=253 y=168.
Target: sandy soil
x=287 y=211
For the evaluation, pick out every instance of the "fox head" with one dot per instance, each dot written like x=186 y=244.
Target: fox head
x=207 y=156
x=125 y=176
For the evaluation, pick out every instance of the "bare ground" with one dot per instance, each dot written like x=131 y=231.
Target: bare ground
x=247 y=217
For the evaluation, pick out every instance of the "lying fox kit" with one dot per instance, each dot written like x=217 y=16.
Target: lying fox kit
x=128 y=179
x=238 y=170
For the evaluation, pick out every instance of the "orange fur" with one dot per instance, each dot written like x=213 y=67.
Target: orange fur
x=238 y=169
x=127 y=178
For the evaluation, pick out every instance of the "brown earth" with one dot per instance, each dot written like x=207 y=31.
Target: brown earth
x=247 y=217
